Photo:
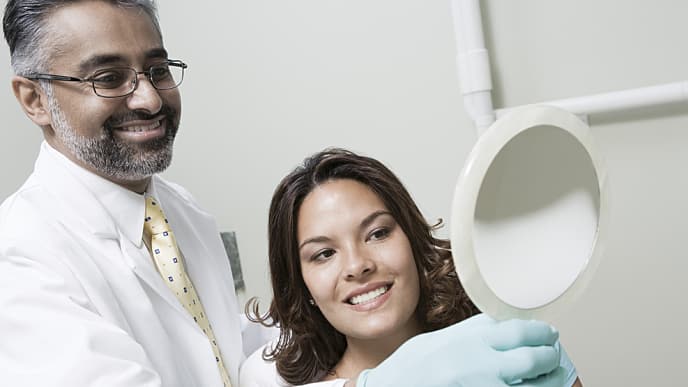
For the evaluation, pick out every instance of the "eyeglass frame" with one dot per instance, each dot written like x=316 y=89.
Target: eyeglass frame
x=147 y=73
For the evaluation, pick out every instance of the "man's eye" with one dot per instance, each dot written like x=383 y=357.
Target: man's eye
x=109 y=79
x=159 y=73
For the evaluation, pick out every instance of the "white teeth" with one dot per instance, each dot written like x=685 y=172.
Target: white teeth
x=368 y=296
x=141 y=128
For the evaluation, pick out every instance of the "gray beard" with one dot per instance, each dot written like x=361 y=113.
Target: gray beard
x=112 y=157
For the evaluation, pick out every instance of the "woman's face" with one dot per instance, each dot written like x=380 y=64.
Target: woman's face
x=357 y=262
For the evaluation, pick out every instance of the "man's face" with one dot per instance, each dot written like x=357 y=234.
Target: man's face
x=124 y=139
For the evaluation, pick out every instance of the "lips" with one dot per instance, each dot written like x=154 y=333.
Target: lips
x=368 y=294
x=139 y=124
x=140 y=127
x=141 y=131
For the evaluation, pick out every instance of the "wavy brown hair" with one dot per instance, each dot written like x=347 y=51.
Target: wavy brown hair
x=309 y=346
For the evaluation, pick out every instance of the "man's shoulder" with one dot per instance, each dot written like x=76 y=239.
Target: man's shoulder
x=169 y=189
x=174 y=195
x=22 y=219
x=20 y=207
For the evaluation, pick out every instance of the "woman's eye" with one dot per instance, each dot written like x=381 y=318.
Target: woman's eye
x=380 y=233
x=322 y=255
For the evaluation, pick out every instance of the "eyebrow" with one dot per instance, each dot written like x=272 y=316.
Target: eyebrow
x=370 y=218
x=364 y=223
x=109 y=59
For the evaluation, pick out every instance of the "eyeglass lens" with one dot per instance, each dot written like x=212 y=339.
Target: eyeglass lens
x=116 y=82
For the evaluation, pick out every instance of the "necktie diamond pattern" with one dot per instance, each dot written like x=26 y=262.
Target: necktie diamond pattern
x=168 y=261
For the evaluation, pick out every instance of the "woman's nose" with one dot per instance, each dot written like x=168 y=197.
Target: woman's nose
x=358 y=264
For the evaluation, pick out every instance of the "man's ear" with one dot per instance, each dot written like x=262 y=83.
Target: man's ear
x=32 y=99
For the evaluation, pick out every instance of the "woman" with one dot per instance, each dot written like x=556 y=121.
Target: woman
x=355 y=270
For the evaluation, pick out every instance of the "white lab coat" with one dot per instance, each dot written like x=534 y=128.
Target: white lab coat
x=81 y=305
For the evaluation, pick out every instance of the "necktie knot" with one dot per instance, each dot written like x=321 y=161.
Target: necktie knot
x=155 y=221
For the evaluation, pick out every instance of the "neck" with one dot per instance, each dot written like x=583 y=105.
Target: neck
x=138 y=186
x=361 y=354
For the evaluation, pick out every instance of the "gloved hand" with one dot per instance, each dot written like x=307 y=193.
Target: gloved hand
x=476 y=352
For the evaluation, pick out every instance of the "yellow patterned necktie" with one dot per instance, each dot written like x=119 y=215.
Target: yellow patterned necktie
x=170 y=265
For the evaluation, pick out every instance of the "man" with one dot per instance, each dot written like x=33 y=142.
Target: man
x=112 y=276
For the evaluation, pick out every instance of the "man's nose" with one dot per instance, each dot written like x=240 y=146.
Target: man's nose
x=146 y=97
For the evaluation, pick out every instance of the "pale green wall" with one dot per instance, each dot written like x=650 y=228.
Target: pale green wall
x=271 y=81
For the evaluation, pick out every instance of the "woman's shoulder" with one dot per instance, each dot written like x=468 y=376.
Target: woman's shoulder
x=258 y=372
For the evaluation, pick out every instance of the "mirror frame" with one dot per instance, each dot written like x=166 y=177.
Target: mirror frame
x=468 y=185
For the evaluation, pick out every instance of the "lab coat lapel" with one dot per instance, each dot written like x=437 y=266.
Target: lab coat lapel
x=208 y=267
x=141 y=266
x=204 y=276
x=80 y=207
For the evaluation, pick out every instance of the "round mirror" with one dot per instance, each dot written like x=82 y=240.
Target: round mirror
x=528 y=213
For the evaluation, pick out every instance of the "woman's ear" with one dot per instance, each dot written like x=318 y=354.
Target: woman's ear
x=32 y=99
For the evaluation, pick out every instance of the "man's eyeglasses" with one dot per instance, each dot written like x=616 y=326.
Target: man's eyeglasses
x=121 y=81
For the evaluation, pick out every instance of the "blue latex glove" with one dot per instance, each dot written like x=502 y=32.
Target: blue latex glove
x=476 y=352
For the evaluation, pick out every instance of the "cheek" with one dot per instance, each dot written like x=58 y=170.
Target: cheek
x=415 y=285
x=312 y=281
x=173 y=99
x=320 y=282
x=410 y=272
x=86 y=115
x=399 y=256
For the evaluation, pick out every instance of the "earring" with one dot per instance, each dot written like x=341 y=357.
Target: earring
x=311 y=301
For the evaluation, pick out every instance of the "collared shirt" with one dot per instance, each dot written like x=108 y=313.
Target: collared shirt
x=126 y=207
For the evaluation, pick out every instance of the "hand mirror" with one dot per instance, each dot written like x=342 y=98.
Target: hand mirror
x=529 y=214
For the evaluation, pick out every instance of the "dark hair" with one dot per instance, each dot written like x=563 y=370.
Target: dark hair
x=26 y=30
x=309 y=346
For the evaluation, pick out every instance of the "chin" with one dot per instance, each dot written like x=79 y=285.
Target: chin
x=374 y=330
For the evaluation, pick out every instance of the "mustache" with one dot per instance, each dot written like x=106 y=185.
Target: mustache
x=168 y=112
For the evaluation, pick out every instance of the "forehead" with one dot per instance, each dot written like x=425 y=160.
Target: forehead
x=343 y=191
x=85 y=30
x=335 y=201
